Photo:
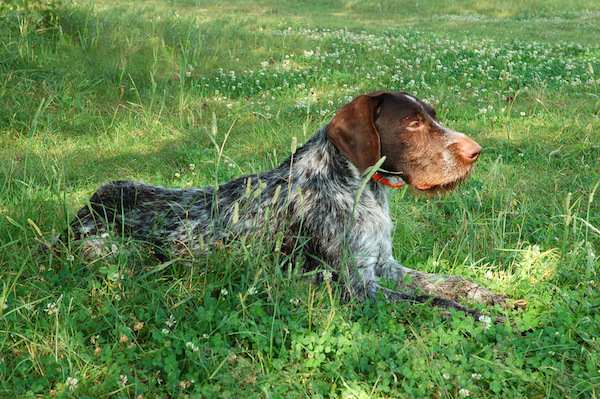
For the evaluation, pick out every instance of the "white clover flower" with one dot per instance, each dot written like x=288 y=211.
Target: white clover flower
x=192 y=166
x=224 y=292
x=294 y=301
x=327 y=275
x=476 y=376
x=51 y=308
x=123 y=380
x=165 y=331
x=489 y=274
x=252 y=290
x=486 y=320
x=118 y=276
x=70 y=258
x=464 y=393
x=205 y=336
x=71 y=383
x=446 y=376
x=192 y=346
x=264 y=64
x=522 y=113
x=171 y=322
x=184 y=384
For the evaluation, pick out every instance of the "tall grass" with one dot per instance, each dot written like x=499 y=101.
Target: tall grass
x=189 y=93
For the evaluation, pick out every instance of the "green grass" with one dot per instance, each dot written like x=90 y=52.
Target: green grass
x=91 y=92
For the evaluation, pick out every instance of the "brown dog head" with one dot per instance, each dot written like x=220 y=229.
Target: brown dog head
x=419 y=150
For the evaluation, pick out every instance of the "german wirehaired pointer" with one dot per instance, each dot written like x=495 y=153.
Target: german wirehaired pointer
x=312 y=199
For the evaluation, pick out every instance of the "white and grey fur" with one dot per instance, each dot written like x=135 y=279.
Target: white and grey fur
x=309 y=198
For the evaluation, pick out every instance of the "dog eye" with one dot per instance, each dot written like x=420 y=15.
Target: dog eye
x=414 y=124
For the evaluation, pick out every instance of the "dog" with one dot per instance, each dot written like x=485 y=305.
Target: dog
x=319 y=200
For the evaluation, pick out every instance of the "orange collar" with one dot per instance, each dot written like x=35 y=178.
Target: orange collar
x=379 y=177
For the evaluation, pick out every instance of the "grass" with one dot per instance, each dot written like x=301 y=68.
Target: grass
x=91 y=92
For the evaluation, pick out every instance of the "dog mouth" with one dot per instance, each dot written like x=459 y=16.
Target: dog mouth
x=437 y=183
x=424 y=187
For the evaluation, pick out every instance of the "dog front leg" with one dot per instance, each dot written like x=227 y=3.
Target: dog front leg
x=453 y=288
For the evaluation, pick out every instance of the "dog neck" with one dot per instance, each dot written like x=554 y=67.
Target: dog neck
x=381 y=179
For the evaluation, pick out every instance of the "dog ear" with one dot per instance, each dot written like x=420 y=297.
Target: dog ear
x=352 y=130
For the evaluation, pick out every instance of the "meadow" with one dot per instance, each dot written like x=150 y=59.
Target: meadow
x=189 y=93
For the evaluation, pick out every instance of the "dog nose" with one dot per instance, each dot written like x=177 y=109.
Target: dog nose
x=470 y=150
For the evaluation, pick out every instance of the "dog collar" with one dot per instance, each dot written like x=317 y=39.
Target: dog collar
x=379 y=177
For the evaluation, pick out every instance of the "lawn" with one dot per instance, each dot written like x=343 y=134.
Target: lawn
x=186 y=93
